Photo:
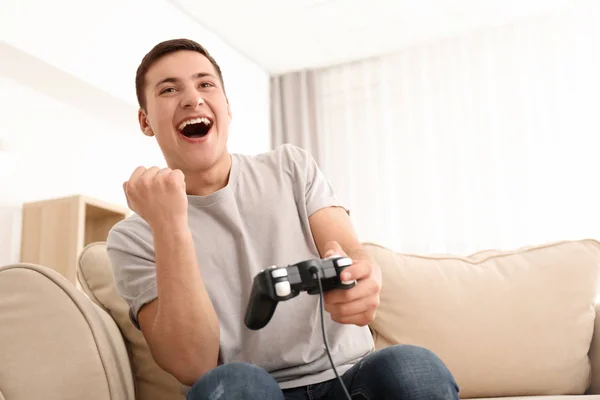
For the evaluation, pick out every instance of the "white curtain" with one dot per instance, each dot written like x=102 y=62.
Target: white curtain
x=293 y=111
x=483 y=141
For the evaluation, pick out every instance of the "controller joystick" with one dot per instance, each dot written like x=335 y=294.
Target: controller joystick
x=281 y=283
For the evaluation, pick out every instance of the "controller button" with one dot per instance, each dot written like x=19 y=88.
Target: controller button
x=283 y=289
x=278 y=273
x=344 y=262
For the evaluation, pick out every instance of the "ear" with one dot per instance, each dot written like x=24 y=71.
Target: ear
x=144 y=123
x=228 y=108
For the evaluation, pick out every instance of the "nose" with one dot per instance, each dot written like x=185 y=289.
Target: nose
x=192 y=99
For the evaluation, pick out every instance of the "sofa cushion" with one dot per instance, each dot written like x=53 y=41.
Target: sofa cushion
x=96 y=278
x=506 y=323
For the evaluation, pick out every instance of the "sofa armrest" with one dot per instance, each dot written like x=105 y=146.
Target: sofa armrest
x=55 y=343
x=595 y=355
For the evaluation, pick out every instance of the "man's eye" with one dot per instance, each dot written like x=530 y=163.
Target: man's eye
x=167 y=90
x=206 y=84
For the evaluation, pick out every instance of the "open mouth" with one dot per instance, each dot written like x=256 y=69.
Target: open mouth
x=195 y=128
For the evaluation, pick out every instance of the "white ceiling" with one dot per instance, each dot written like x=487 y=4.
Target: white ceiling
x=287 y=35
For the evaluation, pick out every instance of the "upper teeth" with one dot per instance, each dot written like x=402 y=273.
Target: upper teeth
x=202 y=120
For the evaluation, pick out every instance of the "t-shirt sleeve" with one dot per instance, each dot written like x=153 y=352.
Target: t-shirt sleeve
x=132 y=258
x=318 y=191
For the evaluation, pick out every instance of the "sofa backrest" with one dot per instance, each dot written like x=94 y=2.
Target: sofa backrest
x=95 y=275
x=507 y=323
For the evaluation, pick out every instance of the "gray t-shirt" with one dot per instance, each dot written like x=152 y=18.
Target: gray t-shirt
x=258 y=220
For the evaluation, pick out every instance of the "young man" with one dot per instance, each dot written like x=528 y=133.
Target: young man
x=207 y=224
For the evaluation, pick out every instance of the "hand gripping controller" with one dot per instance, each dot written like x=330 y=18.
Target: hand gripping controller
x=277 y=284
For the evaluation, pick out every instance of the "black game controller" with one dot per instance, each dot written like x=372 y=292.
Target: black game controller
x=276 y=284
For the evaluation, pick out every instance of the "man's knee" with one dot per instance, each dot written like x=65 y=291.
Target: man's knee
x=414 y=369
x=236 y=381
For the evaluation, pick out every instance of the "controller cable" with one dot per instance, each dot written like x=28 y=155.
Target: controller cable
x=315 y=275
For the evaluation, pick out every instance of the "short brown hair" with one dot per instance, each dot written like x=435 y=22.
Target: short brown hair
x=161 y=50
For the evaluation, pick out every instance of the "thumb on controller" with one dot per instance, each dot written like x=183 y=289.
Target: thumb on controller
x=333 y=248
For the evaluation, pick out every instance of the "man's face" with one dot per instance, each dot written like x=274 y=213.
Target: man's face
x=187 y=111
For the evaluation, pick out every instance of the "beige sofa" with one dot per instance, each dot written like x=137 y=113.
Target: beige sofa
x=512 y=323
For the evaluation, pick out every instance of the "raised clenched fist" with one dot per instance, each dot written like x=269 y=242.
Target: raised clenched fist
x=157 y=195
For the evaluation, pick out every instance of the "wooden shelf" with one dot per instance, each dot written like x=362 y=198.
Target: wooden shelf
x=55 y=231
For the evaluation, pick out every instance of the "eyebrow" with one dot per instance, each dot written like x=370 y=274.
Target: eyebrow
x=175 y=80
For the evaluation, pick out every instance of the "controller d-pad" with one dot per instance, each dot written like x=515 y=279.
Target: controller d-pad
x=283 y=289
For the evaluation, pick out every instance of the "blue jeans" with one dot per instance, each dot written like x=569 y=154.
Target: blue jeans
x=401 y=372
